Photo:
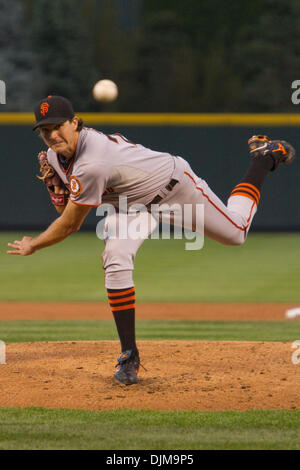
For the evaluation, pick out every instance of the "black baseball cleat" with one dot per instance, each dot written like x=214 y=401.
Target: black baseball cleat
x=127 y=368
x=280 y=150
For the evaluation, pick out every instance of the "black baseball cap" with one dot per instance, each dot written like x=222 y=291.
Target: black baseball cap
x=53 y=110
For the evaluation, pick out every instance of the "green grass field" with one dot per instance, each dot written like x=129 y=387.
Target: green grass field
x=92 y=330
x=38 y=428
x=265 y=269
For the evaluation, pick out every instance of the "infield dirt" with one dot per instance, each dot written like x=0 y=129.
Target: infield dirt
x=159 y=311
x=182 y=375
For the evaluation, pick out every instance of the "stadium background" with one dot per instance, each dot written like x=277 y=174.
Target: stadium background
x=172 y=58
x=195 y=79
x=218 y=154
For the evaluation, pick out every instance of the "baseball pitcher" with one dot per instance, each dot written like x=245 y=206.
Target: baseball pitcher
x=84 y=168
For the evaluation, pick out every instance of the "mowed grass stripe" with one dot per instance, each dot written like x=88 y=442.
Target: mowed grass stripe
x=164 y=271
x=90 y=330
x=39 y=428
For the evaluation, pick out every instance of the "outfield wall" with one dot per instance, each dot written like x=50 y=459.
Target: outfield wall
x=215 y=146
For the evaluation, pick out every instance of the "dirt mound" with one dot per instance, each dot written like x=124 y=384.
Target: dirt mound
x=183 y=375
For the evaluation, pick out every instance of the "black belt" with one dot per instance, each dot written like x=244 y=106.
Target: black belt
x=158 y=198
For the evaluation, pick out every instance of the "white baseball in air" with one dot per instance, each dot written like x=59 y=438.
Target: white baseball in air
x=293 y=312
x=105 y=90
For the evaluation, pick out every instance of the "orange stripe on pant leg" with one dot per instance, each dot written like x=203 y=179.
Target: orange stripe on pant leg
x=244 y=229
x=251 y=210
x=218 y=209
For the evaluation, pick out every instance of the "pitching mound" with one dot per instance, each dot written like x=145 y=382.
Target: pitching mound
x=183 y=375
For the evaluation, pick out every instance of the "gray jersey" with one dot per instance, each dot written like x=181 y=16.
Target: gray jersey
x=107 y=166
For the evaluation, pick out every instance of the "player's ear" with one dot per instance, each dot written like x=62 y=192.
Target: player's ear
x=75 y=122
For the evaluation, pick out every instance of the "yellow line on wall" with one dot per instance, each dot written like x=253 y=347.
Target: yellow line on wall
x=16 y=118
x=164 y=119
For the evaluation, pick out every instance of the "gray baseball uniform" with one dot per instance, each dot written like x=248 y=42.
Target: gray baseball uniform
x=108 y=166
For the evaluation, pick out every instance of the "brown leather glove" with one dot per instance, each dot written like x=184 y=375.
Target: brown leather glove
x=59 y=193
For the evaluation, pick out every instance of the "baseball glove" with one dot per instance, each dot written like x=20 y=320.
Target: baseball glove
x=59 y=194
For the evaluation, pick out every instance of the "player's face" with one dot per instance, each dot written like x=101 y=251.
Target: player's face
x=61 y=138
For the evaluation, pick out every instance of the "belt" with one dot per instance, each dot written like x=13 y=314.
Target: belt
x=158 y=198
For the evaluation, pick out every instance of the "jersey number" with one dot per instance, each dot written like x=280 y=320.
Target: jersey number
x=114 y=139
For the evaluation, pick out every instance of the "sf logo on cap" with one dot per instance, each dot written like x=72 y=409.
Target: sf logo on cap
x=44 y=108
